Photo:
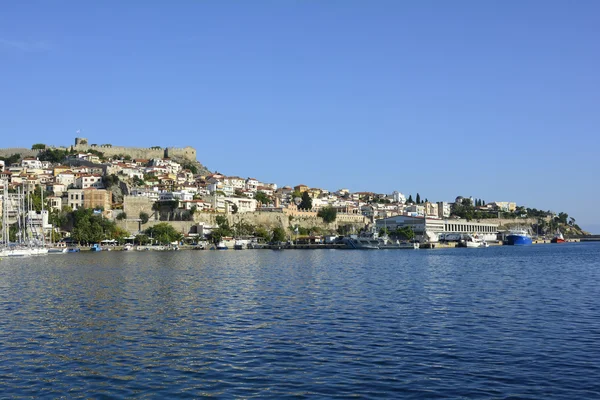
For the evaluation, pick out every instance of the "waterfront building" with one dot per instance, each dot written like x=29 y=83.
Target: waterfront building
x=438 y=226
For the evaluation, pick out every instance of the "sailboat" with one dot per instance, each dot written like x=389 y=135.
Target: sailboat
x=28 y=243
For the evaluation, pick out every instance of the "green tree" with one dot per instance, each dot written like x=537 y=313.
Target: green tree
x=384 y=232
x=405 y=233
x=410 y=199
x=191 y=166
x=163 y=233
x=261 y=197
x=278 y=235
x=563 y=217
x=15 y=158
x=418 y=200
x=142 y=239
x=261 y=232
x=328 y=214
x=121 y=216
x=306 y=203
x=38 y=146
x=53 y=155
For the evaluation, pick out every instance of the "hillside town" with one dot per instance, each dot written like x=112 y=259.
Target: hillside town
x=136 y=194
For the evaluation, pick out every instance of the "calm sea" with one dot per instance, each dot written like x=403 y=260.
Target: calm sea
x=502 y=322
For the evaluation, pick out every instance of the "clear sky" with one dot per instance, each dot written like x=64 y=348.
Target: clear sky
x=493 y=99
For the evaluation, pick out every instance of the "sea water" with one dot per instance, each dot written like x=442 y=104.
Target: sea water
x=500 y=322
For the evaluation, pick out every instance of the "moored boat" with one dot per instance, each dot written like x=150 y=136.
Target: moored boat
x=518 y=237
x=361 y=242
x=472 y=242
x=57 y=250
x=558 y=238
x=96 y=247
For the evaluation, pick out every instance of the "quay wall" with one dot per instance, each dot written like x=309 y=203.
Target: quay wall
x=268 y=220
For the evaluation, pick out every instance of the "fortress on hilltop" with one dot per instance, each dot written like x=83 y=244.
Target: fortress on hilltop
x=82 y=145
x=189 y=153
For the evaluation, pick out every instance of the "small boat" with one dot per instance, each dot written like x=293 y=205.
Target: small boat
x=73 y=250
x=128 y=247
x=96 y=247
x=57 y=250
x=222 y=246
x=239 y=245
x=473 y=242
x=558 y=238
x=386 y=244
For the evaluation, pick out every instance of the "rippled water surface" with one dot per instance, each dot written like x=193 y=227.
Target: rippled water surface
x=502 y=322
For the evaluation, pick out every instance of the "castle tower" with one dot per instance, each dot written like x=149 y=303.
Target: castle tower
x=79 y=141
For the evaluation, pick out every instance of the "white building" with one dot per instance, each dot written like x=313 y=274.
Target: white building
x=252 y=184
x=31 y=163
x=88 y=181
x=398 y=197
x=444 y=209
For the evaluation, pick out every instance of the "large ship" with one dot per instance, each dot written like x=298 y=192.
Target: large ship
x=518 y=237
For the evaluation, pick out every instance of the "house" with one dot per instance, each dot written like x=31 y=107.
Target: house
x=6 y=176
x=236 y=182
x=243 y=205
x=507 y=206
x=97 y=198
x=31 y=163
x=55 y=202
x=431 y=209
x=200 y=205
x=65 y=177
x=252 y=184
x=89 y=180
x=57 y=189
x=266 y=190
x=301 y=188
x=74 y=198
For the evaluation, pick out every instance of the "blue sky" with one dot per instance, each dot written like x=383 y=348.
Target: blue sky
x=496 y=100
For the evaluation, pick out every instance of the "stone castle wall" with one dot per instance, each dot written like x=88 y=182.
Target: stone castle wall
x=24 y=152
x=188 y=153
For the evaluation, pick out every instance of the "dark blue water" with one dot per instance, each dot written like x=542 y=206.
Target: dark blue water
x=501 y=322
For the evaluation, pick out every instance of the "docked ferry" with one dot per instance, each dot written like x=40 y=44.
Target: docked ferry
x=518 y=237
